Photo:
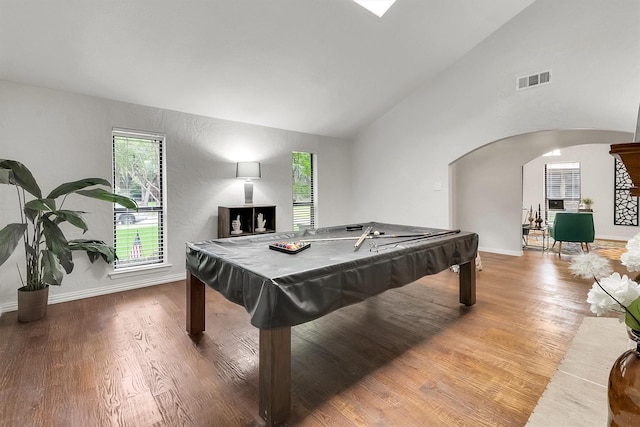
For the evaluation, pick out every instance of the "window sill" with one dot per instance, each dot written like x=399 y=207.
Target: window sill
x=137 y=271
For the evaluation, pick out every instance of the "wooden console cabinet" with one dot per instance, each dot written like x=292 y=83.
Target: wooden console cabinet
x=248 y=218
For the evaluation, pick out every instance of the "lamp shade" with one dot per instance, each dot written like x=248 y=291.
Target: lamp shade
x=248 y=170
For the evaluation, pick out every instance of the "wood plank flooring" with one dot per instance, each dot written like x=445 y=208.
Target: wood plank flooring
x=413 y=356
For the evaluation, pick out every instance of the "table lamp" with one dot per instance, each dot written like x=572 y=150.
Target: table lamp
x=248 y=171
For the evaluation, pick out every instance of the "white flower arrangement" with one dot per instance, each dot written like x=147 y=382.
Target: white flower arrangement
x=621 y=291
x=611 y=292
x=631 y=258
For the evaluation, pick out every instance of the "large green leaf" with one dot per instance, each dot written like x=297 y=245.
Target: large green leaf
x=31 y=214
x=34 y=207
x=633 y=310
x=52 y=273
x=72 y=187
x=57 y=244
x=9 y=238
x=22 y=177
x=94 y=249
x=72 y=217
x=39 y=205
x=100 y=194
x=6 y=176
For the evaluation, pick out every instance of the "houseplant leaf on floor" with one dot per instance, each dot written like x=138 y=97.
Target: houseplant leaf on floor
x=48 y=253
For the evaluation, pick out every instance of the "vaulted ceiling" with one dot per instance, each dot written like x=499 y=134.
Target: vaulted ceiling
x=326 y=67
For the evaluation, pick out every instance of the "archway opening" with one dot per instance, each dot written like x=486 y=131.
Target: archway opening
x=487 y=183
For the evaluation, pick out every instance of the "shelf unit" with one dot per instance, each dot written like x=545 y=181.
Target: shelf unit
x=248 y=218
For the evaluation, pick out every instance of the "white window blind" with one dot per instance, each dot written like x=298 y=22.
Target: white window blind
x=138 y=172
x=303 y=190
x=562 y=182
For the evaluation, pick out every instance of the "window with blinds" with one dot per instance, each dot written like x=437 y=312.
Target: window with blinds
x=138 y=172
x=303 y=190
x=562 y=183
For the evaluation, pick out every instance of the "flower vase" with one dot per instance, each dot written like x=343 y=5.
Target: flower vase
x=624 y=387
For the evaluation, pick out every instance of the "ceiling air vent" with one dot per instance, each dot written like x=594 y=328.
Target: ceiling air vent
x=533 y=80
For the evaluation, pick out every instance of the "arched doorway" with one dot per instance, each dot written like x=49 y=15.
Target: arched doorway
x=486 y=184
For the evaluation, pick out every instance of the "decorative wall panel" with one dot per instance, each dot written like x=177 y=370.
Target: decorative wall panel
x=625 y=210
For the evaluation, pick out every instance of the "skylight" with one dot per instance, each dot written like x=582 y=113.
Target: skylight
x=555 y=152
x=377 y=7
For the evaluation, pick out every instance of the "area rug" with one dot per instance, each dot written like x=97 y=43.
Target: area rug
x=577 y=393
x=611 y=249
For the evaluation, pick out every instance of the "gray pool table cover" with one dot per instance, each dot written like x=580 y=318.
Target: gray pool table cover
x=279 y=289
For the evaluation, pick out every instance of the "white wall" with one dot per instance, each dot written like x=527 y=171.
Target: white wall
x=63 y=137
x=597 y=180
x=591 y=48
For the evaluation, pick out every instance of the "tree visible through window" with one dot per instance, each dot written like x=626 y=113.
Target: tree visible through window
x=138 y=172
x=303 y=191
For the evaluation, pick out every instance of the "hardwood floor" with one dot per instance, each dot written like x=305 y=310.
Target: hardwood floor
x=410 y=357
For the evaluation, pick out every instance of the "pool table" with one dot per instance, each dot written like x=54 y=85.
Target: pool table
x=283 y=289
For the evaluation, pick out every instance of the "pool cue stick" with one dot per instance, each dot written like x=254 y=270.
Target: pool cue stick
x=330 y=239
x=370 y=236
x=425 y=236
x=406 y=235
x=356 y=246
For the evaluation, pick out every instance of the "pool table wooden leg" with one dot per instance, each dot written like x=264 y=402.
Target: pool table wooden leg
x=275 y=374
x=195 y=305
x=468 y=283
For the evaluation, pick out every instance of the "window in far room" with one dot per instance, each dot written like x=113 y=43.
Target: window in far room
x=562 y=188
x=138 y=172
x=303 y=190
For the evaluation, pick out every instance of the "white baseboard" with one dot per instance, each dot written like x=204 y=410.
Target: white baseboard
x=72 y=296
x=500 y=251
x=617 y=238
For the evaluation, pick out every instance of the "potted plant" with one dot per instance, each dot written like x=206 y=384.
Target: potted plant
x=48 y=253
x=587 y=202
